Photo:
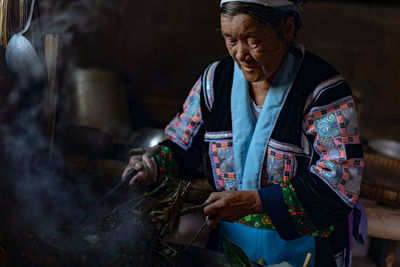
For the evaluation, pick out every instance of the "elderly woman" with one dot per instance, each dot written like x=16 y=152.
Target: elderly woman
x=276 y=129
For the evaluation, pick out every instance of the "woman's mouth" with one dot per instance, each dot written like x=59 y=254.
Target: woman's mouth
x=248 y=68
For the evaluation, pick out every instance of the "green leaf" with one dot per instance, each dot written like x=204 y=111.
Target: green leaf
x=156 y=212
x=283 y=264
x=174 y=213
x=261 y=261
x=235 y=255
x=277 y=259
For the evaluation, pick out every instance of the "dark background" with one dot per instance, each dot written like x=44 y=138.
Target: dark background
x=161 y=47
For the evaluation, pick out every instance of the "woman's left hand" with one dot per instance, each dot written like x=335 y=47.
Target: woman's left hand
x=231 y=206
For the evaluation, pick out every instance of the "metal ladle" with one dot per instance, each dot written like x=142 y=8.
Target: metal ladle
x=22 y=60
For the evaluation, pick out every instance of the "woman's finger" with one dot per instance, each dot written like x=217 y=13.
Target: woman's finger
x=214 y=196
x=217 y=204
x=134 y=159
x=137 y=180
x=134 y=163
x=214 y=220
x=154 y=169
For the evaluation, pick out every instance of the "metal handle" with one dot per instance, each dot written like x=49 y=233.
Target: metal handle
x=127 y=177
x=132 y=172
x=124 y=181
x=28 y=24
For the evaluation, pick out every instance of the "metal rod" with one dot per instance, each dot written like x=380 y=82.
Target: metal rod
x=124 y=182
x=193 y=208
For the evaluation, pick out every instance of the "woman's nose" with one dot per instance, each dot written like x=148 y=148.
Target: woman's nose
x=241 y=52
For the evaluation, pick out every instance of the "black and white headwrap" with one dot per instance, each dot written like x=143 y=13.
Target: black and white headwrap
x=284 y=5
x=272 y=3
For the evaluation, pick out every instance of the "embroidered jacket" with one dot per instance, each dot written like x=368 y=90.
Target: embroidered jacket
x=313 y=162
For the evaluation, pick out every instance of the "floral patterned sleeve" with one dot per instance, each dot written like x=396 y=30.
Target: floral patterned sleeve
x=312 y=203
x=184 y=127
x=335 y=129
x=182 y=149
x=166 y=163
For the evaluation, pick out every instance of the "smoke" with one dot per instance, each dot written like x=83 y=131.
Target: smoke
x=36 y=195
x=43 y=197
x=93 y=32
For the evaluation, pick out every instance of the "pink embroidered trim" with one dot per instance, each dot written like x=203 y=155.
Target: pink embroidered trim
x=279 y=166
x=222 y=162
x=285 y=146
x=184 y=126
x=218 y=135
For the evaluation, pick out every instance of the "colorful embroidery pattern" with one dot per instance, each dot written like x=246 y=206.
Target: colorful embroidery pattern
x=166 y=163
x=279 y=166
x=327 y=127
x=185 y=125
x=221 y=155
x=208 y=136
x=303 y=224
x=335 y=126
x=344 y=177
x=285 y=146
x=260 y=221
x=299 y=218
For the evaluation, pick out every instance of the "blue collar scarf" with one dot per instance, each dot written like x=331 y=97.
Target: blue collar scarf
x=249 y=140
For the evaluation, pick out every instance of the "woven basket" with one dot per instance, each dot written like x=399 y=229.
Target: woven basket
x=381 y=181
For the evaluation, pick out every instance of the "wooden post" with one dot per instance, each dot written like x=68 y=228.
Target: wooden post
x=51 y=49
x=383 y=221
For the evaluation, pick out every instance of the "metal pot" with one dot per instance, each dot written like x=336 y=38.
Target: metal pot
x=146 y=137
x=385 y=147
x=98 y=100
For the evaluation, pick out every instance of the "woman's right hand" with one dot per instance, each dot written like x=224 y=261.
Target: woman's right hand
x=147 y=168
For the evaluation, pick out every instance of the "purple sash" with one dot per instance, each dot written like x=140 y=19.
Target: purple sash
x=357 y=219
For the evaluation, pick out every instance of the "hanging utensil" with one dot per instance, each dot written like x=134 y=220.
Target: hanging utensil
x=22 y=60
x=23 y=16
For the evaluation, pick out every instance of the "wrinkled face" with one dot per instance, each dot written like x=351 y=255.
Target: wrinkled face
x=256 y=48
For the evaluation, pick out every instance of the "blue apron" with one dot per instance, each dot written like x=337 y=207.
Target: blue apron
x=267 y=244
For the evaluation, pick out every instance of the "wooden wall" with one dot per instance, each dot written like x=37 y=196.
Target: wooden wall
x=161 y=47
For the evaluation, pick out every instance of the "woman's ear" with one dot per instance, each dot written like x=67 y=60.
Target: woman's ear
x=290 y=25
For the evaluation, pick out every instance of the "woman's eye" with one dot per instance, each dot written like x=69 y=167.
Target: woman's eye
x=253 y=42
x=231 y=41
